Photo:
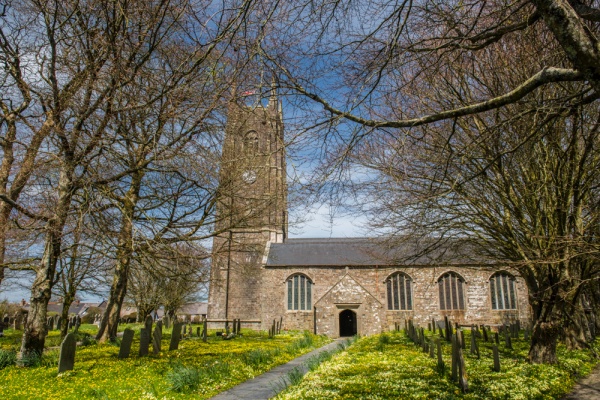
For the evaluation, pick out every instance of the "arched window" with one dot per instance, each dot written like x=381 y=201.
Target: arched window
x=251 y=143
x=503 y=292
x=451 y=287
x=299 y=293
x=399 y=292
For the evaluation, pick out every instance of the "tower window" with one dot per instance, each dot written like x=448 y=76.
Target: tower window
x=451 y=287
x=503 y=292
x=251 y=143
x=299 y=293
x=399 y=292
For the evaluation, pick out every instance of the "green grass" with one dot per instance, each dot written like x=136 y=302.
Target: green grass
x=390 y=366
x=196 y=370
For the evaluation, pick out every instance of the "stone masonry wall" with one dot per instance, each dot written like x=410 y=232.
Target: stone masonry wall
x=363 y=290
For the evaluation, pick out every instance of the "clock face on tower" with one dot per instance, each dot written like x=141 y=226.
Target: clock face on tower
x=249 y=176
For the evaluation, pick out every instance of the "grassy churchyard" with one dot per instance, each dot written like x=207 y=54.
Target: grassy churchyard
x=391 y=366
x=385 y=366
x=196 y=370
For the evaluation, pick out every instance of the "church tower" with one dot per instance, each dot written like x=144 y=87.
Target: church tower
x=252 y=208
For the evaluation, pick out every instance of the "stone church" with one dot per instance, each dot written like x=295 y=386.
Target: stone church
x=336 y=287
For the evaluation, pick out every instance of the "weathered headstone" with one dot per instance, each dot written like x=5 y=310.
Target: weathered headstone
x=448 y=329
x=126 y=341
x=184 y=329
x=496 y=367
x=485 y=333
x=17 y=321
x=431 y=350
x=77 y=322
x=496 y=338
x=433 y=324
x=50 y=324
x=462 y=371
x=175 y=336
x=167 y=321
x=66 y=360
x=455 y=347
x=197 y=331
x=507 y=340
x=144 y=342
x=205 y=331
x=440 y=360
x=474 y=346
x=239 y=328
x=159 y=325
x=148 y=323
x=156 y=339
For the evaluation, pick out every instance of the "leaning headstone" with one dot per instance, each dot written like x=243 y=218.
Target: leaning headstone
x=66 y=360
x=448 y=329
x=507 y=340
x=455 y=347
x=474 y=347
x=485 y=333
x=175 y=336
x=280 y=323
x=17 y=321
x=144 y=342
x=496 y=359
x=156 y=339
x=126 y=343
x=440 y=360
x=462 y=372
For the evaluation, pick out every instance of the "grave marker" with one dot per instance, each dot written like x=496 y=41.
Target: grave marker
x=66 y=360
x=156 y=338
x=175 y=336
x=144 y=342
x=496 y=367
x=126 y=343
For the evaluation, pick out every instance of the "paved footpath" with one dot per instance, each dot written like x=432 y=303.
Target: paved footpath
x=271 y=382
x=587 y=388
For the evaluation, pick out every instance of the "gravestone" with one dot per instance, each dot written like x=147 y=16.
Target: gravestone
x=431 y=350
x=485 y=333
x=448 y=329
x=175 y=336
x=17 y=321
x=474 y=346
x=462 y=371
x=156 y=339
x=126 y=343
x=455 y=347
x=496 y=367
x=144 y=342
x=148 y=323
x=51 y=324
x=66 y=360
x=1 y=329
x=159 y=325
x=440 y=360
x=526 y=334
x=507 y=340
x=205 y=331
x=197 y=331
x=167 y=321
x=280 y=323
x=433 y=324
x=57 y=321
x=496 y=338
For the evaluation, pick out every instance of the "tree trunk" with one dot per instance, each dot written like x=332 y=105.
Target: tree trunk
x=64 y=316
x=36 y=328
x=108 y=326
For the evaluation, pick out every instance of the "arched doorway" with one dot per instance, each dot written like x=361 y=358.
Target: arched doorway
x=347 y=323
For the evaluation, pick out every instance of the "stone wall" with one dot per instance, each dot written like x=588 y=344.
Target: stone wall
x=363 y=290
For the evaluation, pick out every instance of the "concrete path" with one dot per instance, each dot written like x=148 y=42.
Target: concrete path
x=271 y=382
x=588 y=388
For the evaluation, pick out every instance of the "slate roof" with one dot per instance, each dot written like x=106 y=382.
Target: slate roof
x=369 y=252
